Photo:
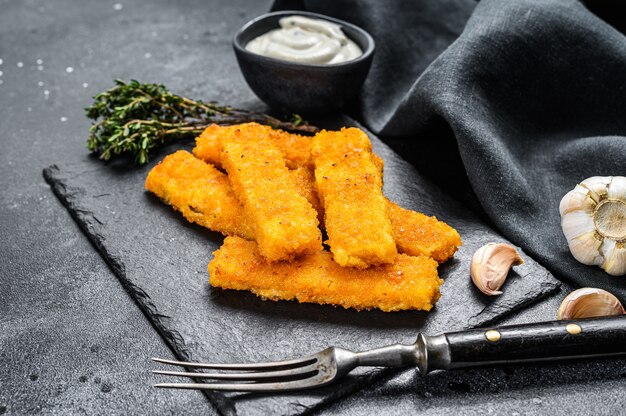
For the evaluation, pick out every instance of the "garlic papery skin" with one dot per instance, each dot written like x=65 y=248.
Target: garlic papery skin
x=593 y=218
x=589 y=302
x=490 y=266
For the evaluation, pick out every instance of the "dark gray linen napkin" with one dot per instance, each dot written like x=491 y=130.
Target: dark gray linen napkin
x=505 y=104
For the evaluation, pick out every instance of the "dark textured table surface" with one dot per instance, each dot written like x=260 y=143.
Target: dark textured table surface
x=71 y=339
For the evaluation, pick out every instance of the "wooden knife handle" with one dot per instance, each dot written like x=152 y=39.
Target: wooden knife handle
x=534 y=342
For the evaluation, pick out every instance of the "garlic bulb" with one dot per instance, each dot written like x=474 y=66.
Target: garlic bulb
x=589 y=302
x=491 y=264
x=593 y=218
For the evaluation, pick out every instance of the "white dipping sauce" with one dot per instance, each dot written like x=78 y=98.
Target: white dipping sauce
x=306 y=41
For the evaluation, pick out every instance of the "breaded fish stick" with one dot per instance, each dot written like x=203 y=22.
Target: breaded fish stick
x=296 y=149
x=418 y=234
x=284 y=223
x=200 y=192
x=349 y=186
x=408 y=283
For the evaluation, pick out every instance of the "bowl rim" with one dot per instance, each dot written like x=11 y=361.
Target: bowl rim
x=367 y=53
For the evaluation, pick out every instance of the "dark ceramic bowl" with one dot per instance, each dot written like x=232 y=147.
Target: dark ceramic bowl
x=302 y=88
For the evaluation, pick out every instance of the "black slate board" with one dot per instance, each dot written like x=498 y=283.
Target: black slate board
x=162 y=261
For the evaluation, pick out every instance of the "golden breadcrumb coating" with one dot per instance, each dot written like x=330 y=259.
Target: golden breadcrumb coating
x=284 y=223
x=209 y=143
x=200 y=192
x=408 y=283
x=379 y=163
x=418 y=234
x=296 y=149
x=349 y=185
x=304 y=180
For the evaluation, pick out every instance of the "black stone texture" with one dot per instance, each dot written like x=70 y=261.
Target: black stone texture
x=162 y=260
x=68 y=329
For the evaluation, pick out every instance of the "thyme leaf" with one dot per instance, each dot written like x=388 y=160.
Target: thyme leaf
x=134 y=118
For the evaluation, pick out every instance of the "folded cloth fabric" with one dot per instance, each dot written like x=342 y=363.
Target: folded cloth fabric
x=507 y=104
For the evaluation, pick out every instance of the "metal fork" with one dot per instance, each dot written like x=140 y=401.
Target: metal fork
x=471 y=348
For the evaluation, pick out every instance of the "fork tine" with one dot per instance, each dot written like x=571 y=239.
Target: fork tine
x=308 y=370
x=306 y=383
x=243 y=367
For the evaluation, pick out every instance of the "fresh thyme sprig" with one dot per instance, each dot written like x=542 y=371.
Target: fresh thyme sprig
x=134 y=118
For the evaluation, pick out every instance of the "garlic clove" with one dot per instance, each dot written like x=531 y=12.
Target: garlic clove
x=614 y=257
x=593 y=218
x=586 y=249
x=575 y=200
x=598 y=185
x=589 y=302
x=491 y=264
x=617 y=188
x=577 y=223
